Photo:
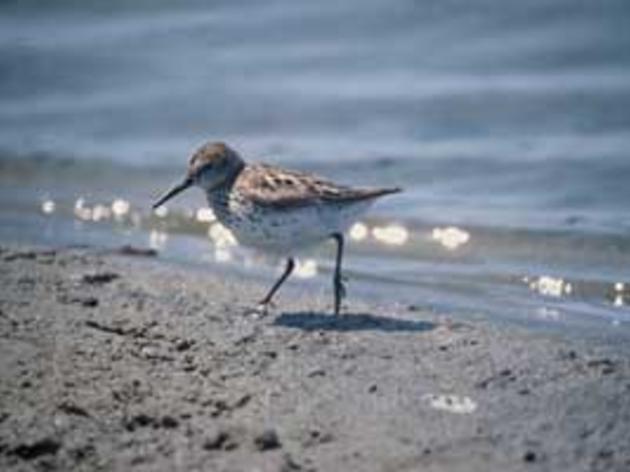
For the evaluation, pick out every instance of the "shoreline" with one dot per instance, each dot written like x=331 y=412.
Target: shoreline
x=123 y=362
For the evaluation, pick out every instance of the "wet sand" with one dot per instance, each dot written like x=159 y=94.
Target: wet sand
x=123 y=362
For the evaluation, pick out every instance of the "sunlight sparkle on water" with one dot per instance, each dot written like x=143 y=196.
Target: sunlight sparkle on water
x=101 y=212
x=120 y=207
x=81 y=211
x=221 y=236
x=48 y=207
x=450 y=237
x=618 y=300
x=205 y=215
x=394 y=235
x=161 y=212
x=358 y=231
x=551 y=286
x=306 y=268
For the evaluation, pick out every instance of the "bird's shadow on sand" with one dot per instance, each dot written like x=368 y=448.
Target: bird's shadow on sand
x=310 y=321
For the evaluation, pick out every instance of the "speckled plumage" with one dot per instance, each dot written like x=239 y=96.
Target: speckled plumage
x=275 y=209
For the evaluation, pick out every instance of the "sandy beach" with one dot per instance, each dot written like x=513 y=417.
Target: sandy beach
x=115 y=360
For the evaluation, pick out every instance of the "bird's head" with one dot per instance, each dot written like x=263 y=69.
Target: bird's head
x=210 y=166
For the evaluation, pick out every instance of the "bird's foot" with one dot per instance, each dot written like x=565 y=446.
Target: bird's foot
x=261 y=310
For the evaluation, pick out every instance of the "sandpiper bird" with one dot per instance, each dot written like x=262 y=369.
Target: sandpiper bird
x=275 y=209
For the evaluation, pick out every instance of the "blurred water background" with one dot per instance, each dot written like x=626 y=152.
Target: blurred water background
x=507 y=123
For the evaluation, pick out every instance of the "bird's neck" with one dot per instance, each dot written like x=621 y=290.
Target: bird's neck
x=226 y=184
x=219 y=195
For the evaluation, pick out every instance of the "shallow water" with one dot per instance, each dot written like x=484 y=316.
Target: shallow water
x=507 y=125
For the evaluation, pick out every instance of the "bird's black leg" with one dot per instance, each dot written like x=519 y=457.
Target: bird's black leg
x=287 y=271
x=340 y=290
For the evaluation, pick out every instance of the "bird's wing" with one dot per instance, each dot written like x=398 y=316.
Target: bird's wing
x=272 y=186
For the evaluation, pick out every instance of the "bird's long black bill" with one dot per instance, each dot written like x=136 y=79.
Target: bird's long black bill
x=172 y=192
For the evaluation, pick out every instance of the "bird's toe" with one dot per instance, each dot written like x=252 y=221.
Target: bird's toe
x=261 y=310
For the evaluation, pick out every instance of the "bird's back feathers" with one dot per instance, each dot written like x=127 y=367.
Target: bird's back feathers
x=268 y=185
